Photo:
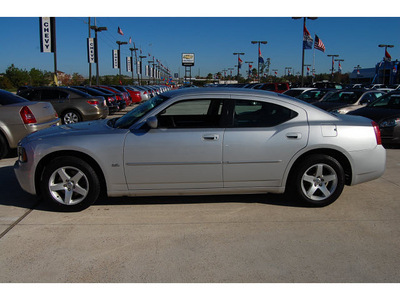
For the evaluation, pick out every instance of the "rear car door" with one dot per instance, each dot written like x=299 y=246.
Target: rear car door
x=262 y=139
x=59 y=99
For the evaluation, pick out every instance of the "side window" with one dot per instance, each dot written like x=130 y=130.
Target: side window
x=50 y=95
x=368 y=98
x=192 y=114
x=32 y=95
x=260 y=114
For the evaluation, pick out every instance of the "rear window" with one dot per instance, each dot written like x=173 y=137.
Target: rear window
x=7 y=98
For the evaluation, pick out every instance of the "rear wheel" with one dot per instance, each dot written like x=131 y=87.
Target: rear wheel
x=70 y=184
x=70 y=117
x=318 y=180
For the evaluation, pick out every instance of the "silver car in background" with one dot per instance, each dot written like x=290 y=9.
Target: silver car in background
x=200 y=142
x=20 y=117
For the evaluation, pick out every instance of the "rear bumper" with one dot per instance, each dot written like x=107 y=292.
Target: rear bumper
x=365 y=168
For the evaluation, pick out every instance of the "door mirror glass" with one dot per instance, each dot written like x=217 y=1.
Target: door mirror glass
x=152 y=122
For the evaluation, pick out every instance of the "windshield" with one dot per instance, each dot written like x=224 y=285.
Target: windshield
x=134 y=115
x=387 y=101
x=344 y=97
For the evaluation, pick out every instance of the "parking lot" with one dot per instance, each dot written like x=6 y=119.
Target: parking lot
x=247 y=238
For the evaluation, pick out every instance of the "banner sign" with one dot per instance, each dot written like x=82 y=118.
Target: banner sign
x=139 y=68
x=129 y=64
x=116 y=62
x=47 y=34
x=91 y=52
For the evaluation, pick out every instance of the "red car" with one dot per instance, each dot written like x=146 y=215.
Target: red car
x=125 y=94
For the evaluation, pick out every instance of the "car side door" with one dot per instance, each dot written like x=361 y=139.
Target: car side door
x=183 y=152
x=262 y=139
x=59 y=99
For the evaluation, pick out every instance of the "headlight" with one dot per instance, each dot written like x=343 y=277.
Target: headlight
x=390 y=123
x=22 y=154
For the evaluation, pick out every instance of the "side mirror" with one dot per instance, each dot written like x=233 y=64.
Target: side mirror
x=152 y=122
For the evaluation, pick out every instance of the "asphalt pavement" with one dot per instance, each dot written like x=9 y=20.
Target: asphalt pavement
x=246 y=238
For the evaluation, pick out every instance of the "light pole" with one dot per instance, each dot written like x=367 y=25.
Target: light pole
x=333 y=63
x=136 y=61
x=141 y=71
x=259 y=56
x=97 y=29
x=119 y=54
x=384 y=59
x=302 y=56
x=239 y=64
x=358 y=67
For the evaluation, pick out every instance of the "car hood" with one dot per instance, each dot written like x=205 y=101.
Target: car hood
x=376 y=114
x=81 y=128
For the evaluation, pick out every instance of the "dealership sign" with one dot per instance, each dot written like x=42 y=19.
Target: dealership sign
x=47 y=34
x=129 y=64
x=115 y=55
x=91 y=51
x=187 y=59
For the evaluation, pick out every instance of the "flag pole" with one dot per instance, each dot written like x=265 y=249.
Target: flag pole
x=313 y=69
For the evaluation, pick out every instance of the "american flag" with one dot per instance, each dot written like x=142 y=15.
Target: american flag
x=318 y=44
x=120 y=31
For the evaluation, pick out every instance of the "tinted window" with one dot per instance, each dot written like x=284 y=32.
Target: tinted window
x=388 y=101
x=32 y=95
x=49 y=94
x=260 y=114
x=192 y=114
x=9 y=98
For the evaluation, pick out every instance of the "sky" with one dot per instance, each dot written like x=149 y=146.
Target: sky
x=213 y=35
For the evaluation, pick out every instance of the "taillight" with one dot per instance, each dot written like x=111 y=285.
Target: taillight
x=93 y=102
x=377 y=133
x=27 y=115
x=110 y=99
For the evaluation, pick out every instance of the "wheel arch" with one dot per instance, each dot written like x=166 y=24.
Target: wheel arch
x=93 y=163
x=71 y=109
x=339 y=156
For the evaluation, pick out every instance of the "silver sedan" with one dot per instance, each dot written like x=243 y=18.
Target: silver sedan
x=203 y=141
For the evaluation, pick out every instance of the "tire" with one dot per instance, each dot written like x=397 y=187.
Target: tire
x=318 y=180
x=70 y=117
x=69 y=184
x=3 y=146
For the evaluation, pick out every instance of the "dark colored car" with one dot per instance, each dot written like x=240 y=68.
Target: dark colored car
x=344 y=101
x=110 y=98
x=386 y=112
x=273 y=87
x=316 y=95
x=70 y=104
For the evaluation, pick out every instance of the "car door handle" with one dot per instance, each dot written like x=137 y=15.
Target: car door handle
x=211 y=137
x=293 y=135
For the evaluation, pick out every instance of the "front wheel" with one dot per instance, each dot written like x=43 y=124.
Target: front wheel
x=69 y=183
x=318 y=180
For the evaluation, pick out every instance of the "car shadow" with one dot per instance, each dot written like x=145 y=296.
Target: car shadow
x=13 y=195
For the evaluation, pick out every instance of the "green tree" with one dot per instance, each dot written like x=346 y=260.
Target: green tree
x=17 y=76
x=39 y=78
x=5 y=83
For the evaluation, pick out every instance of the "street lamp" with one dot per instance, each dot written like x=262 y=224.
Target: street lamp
x=333 y=63
x=134 y=49
x=384 y=59
x=141 y=71
x=97 y=29
x=302 y=57
x=239 y=64
x=119 y=54
x=259 y=56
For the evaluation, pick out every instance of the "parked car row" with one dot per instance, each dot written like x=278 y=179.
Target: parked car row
x=375 y=104
x=35 y=108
